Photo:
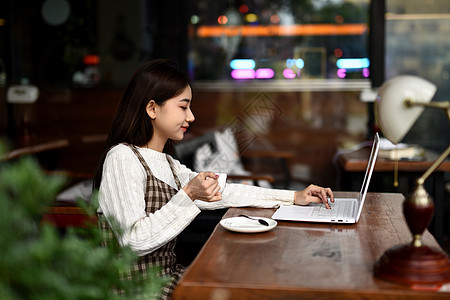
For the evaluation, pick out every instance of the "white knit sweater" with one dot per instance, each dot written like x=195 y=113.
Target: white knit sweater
x=122 y=193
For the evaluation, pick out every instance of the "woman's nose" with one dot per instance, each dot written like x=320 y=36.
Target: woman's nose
x=190 y=116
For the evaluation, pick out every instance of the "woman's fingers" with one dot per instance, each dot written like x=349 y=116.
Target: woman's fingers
x=322 y=195
x=212 y=193
x=204 y=187
x=330 y=194
x=209 y=179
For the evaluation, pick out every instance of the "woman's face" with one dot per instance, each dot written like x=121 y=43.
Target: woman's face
x=172 y=118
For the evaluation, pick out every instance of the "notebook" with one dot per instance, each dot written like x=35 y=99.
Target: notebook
x=343 y=210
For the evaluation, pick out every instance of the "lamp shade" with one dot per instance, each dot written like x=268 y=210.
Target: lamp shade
x=394 y=117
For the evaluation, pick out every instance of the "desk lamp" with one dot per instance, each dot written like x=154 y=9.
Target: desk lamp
x=399 y=104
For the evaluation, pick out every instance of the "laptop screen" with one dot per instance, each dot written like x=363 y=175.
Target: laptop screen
x=369 y=171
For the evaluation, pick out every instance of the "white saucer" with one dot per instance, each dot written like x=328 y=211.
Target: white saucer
x=245 y=225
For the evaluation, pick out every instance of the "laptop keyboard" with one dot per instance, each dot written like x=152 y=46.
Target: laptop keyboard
x=338 y=209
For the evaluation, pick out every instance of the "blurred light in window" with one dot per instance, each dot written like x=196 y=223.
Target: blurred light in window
x=353 y=63
x=274 y=19
x=251 y=18
x=243 y=74
x=242 y=64
x=277 y=30
x=195 y=19
x=341 y=73
x=366 y=72
x=264 y=73
x=288 y=73
x=222 y=20
x=90 y=59
x=234 y=18
x=286 y=16
x=339 y=19
x=338 y=52
x=300 y=63
x=243 y=9
x=290 y=63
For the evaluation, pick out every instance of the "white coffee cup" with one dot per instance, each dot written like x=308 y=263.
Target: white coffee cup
x=222 y=180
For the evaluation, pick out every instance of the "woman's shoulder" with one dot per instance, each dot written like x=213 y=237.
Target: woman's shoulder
x=119 y=150
x=120 y=159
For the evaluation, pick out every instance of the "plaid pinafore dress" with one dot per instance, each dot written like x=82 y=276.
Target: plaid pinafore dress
x=157 y=194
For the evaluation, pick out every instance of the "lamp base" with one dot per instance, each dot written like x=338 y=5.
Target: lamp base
x=414 y=266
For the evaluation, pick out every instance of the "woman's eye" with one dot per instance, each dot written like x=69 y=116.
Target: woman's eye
x=183 y=107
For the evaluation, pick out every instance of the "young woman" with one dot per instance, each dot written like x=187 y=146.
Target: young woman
x=151 y=195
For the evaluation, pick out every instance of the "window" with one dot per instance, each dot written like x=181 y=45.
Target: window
x=278 y=40
x=417 y=44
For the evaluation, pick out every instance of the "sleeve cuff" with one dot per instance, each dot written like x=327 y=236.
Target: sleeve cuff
x=181 y=199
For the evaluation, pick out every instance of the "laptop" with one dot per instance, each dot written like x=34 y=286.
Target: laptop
x=343 y=210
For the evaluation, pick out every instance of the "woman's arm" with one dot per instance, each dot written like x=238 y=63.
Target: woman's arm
x=121 y=196
x=240 y=195
x=237 y=195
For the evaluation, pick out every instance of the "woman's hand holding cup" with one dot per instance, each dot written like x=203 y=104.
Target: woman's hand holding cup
x=206 y=186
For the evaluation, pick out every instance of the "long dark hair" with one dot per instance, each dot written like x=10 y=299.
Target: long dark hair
x=157 y=80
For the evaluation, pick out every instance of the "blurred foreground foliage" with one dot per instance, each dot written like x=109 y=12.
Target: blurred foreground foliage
x=38 y=262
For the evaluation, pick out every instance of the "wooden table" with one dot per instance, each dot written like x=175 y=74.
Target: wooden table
x=304 y=260
x=353 y=165
x=356 y=161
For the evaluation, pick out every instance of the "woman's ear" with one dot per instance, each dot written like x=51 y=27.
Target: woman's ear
x=151 y=109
